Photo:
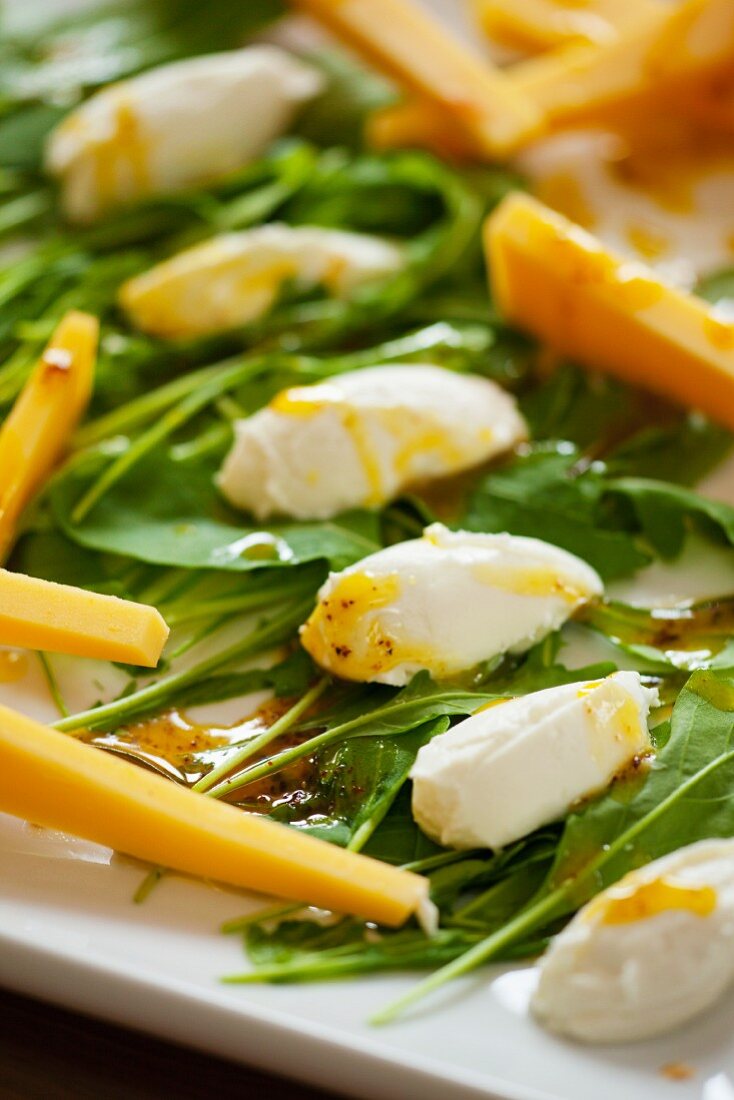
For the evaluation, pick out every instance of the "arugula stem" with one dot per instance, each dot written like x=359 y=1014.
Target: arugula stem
x=122 y=420
x=53 y=684
x=209 y=782
x=274 y=912
x=280 y=760
x=271 y=632
x=526 y=921
x=164 y=427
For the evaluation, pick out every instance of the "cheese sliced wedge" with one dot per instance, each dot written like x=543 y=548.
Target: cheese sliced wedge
x=420 y=53
x=557 y=281
x=418 y=123
x=38 y=614
x=39 y=425
x=534 y=26
x=53 y=780
x=666 y=51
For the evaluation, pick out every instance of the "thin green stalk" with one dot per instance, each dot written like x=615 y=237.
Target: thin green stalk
x=526 y=921
x=53 y=685
x=271 y=632
x=178 y=613
x=144 y=408
x=274 y=912
x=19 y=212
x=204 y=631
x=281 y=760
x=169 y=582
x=164 y=427
x=211 y=441
x=208 y=783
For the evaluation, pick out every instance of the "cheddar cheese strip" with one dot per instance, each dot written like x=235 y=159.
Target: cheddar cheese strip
x=534 y=26
x=53 y=780
x=666 y=51
x=418 y=124
x=409 y=45
x=607 y=312
x=39 y=425
x=59 y=618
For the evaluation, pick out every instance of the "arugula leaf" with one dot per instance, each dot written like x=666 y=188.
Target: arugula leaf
x=683 y=796
x=169 y=513
x=543 y=495
x=663 y=512
x=356 y=786
x=613 y=523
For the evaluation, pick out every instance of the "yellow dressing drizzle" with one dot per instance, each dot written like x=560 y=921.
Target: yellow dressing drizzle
x=306 y=401
x=336 y=637
x=125 y=148
x=651 y=898
x=432 y=439
x=530 y=581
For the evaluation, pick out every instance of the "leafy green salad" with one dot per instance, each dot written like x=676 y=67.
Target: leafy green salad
x=604 y=472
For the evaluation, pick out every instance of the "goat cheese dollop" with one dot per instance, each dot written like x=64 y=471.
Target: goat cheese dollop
x=175 y=127
x=361 y=438
x=519 y=764
x=443 y=603
x=235 y=278
x=647 y=954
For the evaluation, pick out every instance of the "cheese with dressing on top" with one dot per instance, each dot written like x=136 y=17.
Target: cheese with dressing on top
x=607 y=312
x=522 y=763
x=235 y=278
x=648 y=954
x=443 y=603
x=359 y=439
x=179 y=126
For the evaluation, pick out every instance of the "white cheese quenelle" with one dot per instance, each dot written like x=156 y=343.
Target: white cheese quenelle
x=235 y=278
x=359 y=439
x=443 y=603
x=523 y=763
x=647 y=954
x=175 y=127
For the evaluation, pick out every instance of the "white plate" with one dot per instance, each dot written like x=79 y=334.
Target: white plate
x=69 y=933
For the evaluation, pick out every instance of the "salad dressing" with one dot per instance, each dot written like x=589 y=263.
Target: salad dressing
x=185 y=751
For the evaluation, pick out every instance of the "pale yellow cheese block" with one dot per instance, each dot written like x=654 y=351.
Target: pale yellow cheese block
x=59 y=618
x=418 y=124
x=558 y=282
x=534 y=26
x=37 y=430
x=50 y=779
x=667 y=51
x=421 y=54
